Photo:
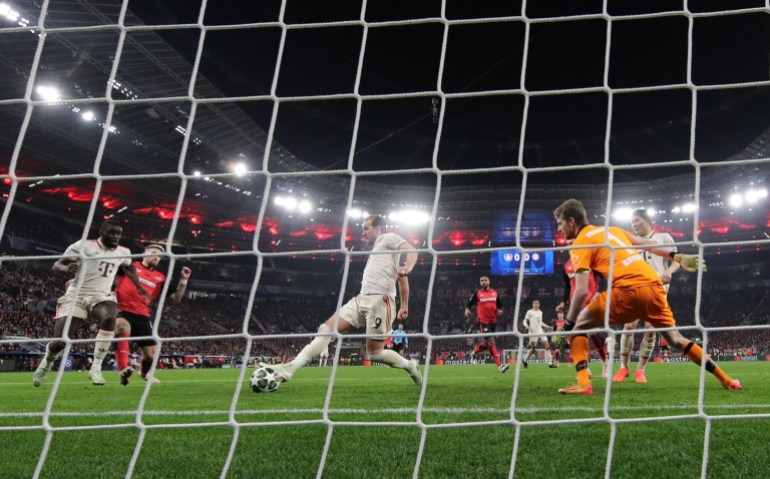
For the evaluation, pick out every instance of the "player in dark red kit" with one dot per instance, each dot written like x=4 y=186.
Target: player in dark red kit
x=488 y=308
x=593 y=288
x=134 y=317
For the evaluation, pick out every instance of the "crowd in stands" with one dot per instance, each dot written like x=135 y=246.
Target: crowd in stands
x=295 y=297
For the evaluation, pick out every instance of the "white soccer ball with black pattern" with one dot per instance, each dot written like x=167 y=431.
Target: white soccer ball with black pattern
x=263 y=380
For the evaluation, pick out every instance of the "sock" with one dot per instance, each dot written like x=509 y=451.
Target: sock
x=599 y=345
x=480 y=348
x=316 y=346
x=49 y=357
x=101 y=347
x=580 y=357
x=496 y=355
x=145 y=366
x=532 y=352
x=555 y=354
x=695 y=354
x=626 y=346
x=645 y=351
x=548 y=357
x=121 y=352
x=391 y=358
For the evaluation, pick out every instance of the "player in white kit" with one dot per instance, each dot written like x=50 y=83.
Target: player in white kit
x=642 y=226
x=95 y=299
x=533 y=321
x=374 y=308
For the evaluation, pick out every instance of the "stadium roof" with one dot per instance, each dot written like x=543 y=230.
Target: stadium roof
x=651 y=114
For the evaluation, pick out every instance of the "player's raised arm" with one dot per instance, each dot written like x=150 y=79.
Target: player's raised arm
x=182 y=286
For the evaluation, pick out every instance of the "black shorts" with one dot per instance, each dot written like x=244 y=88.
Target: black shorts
x=486 y=328
x=140 y=326
x=665 y=347
x=397 y=347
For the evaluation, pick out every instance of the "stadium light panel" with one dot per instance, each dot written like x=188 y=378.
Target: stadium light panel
x=354 y=213
x=736 y=200
x=196 y=173
x=88 y=116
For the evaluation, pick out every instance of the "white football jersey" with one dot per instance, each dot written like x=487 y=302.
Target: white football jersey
x=100 y=266
x=382 y=266
x=659 y=263
x=533 y=321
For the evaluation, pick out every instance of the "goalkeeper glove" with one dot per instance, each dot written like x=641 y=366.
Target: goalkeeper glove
x=690 y=262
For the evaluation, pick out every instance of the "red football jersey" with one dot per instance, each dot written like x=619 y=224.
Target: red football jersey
x=129 y=299
x=593 y=284
x=487 y=303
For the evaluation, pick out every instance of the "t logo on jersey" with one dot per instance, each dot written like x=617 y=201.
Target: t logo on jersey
x=106 y=268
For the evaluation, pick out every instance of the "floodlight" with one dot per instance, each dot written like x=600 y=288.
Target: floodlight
x=623 y=214
x=689 y=207
x=48 y=93
x=305 y=207
x=240 y=169
x=413 y=217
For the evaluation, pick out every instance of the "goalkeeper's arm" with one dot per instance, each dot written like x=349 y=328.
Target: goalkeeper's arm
x=690 y=262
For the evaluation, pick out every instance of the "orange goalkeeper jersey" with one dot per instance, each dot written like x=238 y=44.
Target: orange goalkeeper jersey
x=629 y=268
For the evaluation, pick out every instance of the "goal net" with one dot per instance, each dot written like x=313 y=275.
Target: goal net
x=252 y=139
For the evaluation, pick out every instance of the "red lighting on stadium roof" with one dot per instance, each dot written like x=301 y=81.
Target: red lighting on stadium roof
x=7 y=181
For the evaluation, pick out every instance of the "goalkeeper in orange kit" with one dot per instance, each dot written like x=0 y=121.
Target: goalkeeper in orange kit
x=636 y=291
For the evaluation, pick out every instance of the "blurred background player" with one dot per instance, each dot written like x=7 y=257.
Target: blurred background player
x=560 y=341
x=103 y=258
x=400 y=340
x=488 y=308
x=134 y=316
x=533 y=321
x=637 y=291
x=641 y=223
x=593 y=288
x=374 y=307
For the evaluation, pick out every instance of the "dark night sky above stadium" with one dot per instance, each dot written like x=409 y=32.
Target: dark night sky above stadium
x=483 y=131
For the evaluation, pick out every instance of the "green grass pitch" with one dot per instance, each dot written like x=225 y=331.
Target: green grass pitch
x=471 y=427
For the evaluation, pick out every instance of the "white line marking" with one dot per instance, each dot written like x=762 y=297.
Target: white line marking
x=437 y=410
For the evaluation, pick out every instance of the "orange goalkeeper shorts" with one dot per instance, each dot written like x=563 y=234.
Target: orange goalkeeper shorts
x=645 y=301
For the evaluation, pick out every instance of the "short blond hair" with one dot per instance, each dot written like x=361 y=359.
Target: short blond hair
x=572 y=208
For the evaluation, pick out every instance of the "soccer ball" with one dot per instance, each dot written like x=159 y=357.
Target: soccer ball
x=263 y=380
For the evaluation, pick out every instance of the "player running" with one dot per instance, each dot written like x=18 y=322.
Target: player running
x=533 y=321
x=103 y=257
x=637 y=291
x=134 y=315
x=488 y=308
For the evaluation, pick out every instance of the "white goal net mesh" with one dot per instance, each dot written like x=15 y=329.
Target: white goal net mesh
x=465 y=128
